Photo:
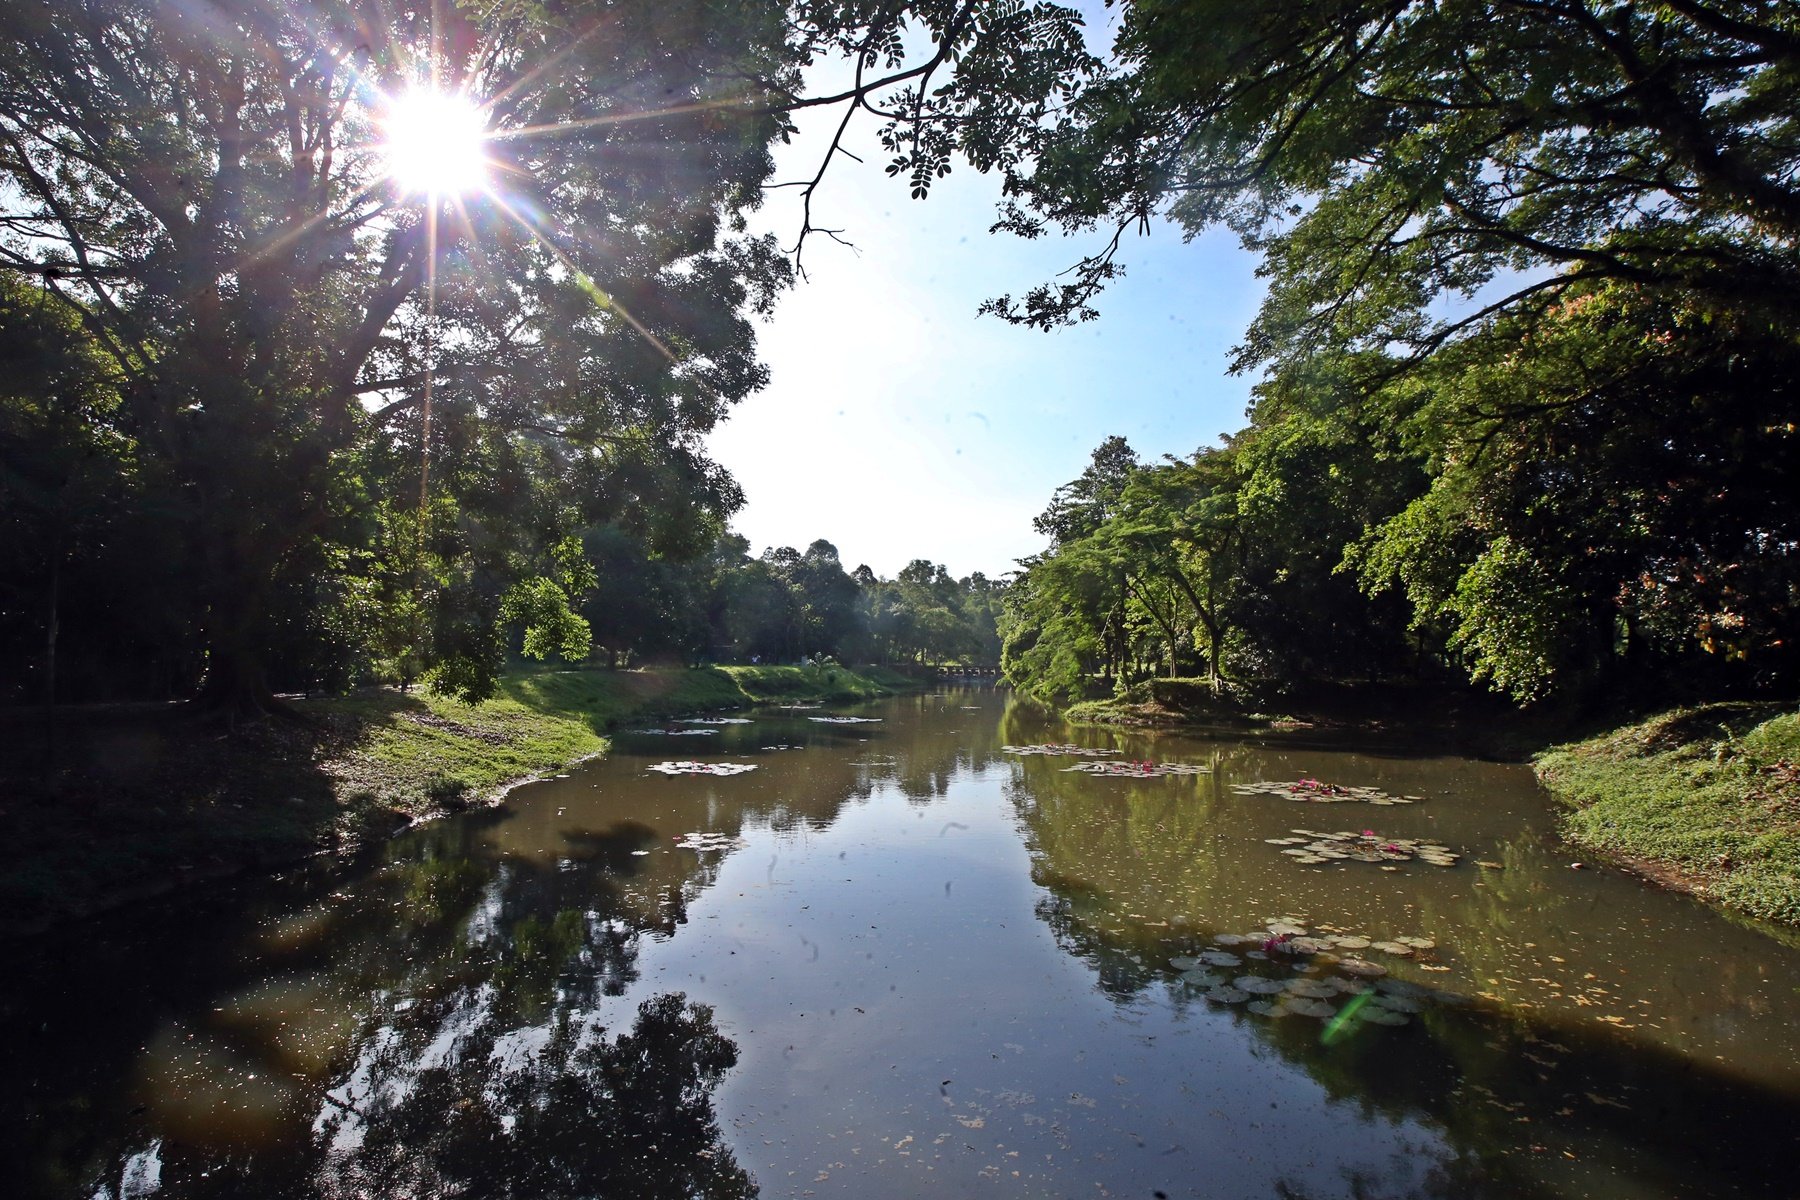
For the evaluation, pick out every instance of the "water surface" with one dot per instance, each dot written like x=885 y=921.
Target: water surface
x=910 y=963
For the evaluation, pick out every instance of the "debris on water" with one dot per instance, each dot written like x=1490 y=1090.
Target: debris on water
x=1313 y=791
x=700 y=768
x=1060 y=750
x=846 y=720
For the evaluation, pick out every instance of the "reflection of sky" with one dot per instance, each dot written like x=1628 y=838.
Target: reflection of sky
x=887 y=979
x=911 y=1008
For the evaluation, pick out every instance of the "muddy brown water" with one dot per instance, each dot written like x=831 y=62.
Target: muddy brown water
x=909 y=963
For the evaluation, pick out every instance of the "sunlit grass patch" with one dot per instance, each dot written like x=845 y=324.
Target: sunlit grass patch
x=1711 y=794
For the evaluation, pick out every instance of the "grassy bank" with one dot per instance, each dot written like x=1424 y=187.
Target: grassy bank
x=146 y=798
x=1705 y=799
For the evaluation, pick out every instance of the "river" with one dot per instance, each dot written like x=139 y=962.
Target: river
x=898 y=960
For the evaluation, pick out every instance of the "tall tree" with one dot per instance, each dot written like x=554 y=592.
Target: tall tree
x=207 y=191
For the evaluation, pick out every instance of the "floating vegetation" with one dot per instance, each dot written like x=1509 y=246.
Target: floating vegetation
x=714 y=721
x=1138 y=770
x=1305 y=1007
x=680 y=732
x=1060 y=750
x=700 y=768
x=846 y=720
x=1312 y=791
x=1312 y=848
x=1313 y=973
x=703 y=842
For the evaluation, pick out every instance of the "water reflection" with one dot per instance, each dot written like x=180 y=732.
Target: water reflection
x=1558 y=1050
x=936 y=968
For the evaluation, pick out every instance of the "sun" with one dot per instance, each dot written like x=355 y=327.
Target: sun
x=435 y=143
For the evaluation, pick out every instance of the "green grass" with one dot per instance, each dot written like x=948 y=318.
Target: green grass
x=1709 y=796
x=155 y=798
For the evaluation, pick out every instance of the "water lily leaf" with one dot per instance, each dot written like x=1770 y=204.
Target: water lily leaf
x=1228 y=995
x=1311 y=989
x=1362 y=968
x=1306 y=1007
x=1374 y=1014
x=1258 y=985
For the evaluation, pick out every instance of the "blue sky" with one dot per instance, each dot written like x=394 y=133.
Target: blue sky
x=899 y=425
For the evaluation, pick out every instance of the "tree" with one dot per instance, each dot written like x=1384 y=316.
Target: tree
x=1385 y=154
x=205 y=195
x=1615 y=496
x=1080 y=506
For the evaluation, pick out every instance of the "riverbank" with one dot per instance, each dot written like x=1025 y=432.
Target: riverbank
x=1704 y=799
x=145 y=799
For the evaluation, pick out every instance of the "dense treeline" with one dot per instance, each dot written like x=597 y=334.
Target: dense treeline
x=1529 y=358
x=782 y=607
x=273 y=412
x=1527 y=402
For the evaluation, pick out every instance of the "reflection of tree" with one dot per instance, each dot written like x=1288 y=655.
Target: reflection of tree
x=1529 y=1104
x=580 y=1116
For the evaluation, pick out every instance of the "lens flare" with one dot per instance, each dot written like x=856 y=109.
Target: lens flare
x=435 y=143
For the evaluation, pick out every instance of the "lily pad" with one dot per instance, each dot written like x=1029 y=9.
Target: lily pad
x=1259 y=985
x=1394 y=948
x=1060 y=750
x=1305 y=1007
x=1362 y=968
x=1375 y=1014
x=1227 y=995
x=1184 y=963
x=700 y=768
x=1311 y=989
x=1268 y=1008
x=1399 y=1004
x=1219 y=958
x=1138 y=770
